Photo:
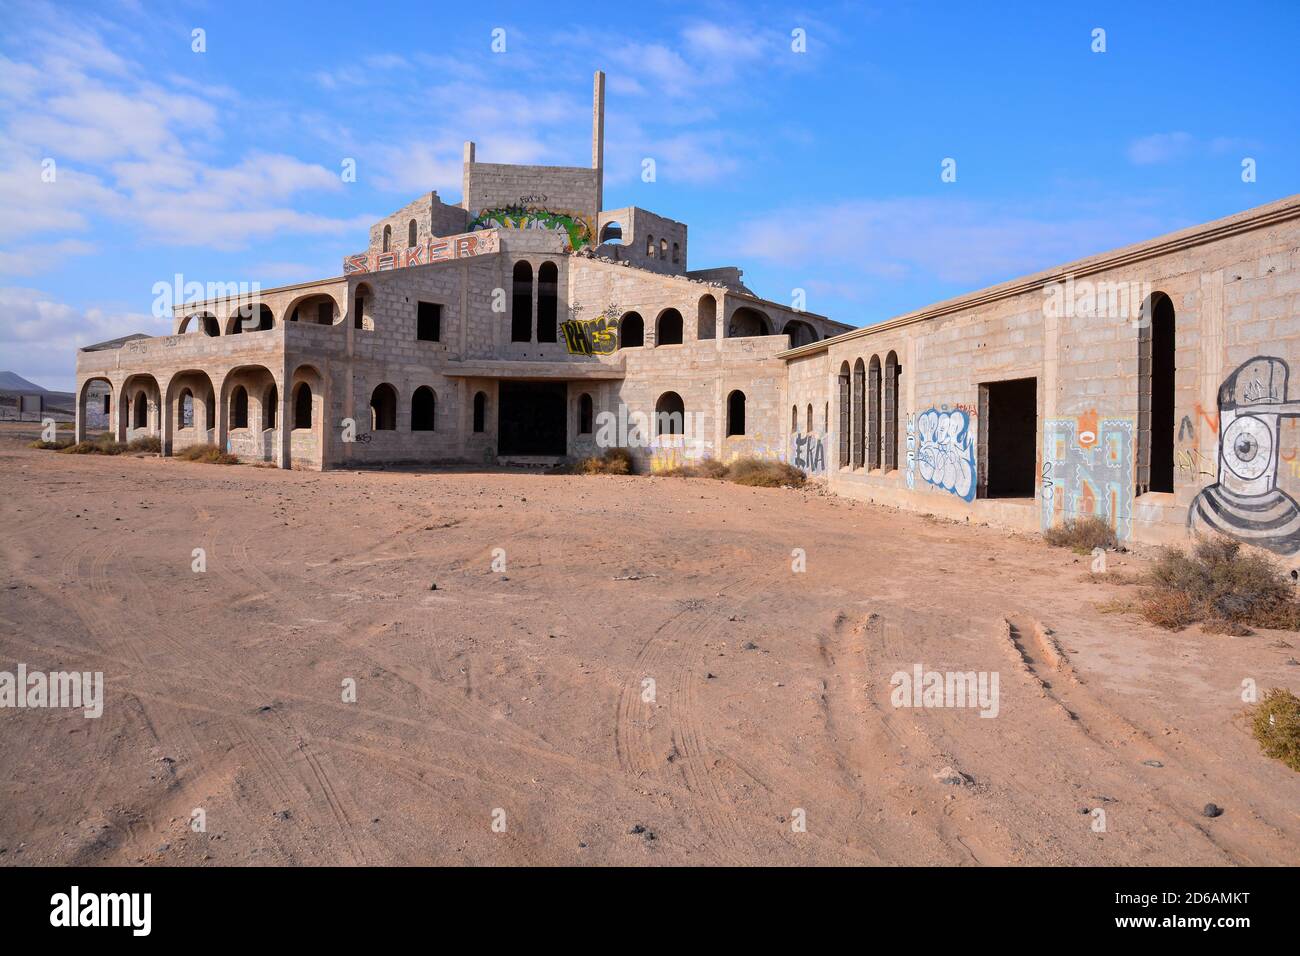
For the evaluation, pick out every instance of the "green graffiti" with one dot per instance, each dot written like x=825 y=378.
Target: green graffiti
x=577 y=226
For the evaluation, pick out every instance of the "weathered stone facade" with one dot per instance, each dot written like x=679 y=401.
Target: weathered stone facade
x=1148 y=386
x=463 y=333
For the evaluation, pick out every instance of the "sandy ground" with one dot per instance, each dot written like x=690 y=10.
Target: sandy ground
x=519 y=698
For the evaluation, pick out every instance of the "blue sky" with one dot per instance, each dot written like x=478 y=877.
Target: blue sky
x=817 y=170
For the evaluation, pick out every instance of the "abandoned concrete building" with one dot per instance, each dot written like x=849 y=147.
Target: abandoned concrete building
x=499 y=329
x=1148 y=385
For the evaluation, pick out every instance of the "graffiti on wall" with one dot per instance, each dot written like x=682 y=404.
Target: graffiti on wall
x=594 y=336
x=808 y=451
x=675 y=451
x=1088 y=469
x=526 y=215
x=941 y=446
x=463 y=246
x=1244 y=501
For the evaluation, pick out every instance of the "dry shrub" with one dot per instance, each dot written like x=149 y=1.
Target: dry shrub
x=1221 y=585
x=208 y=454
x=1118 y=606
x=103 y=445
x=146 y=443
x=612 y=461
x=1081 y=534
x=1276 y=725
x=50 y=445
x=763 y=473
x=704 y=468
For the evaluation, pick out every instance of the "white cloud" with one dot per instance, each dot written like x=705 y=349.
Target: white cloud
x=135 y=153
x=1159 y=148
x=39 y=334
x=966 y=242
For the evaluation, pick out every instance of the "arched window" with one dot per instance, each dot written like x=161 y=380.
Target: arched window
x=359 y=309
x=810 y=422
x=250 y=317
x=631 y=331
x=826 y=418
x=670 y=414
x=794 y=418
x=302 y=406
x=747 y=322
x=547 y=279
x=388 y=238
x=892 y=371
x=707 y=317
x=801 y=333
x=140 y=410
x=663 y=249
x=676 y=254
x=611 y=232
x=383 y=408
x=584 y=414
x=873 y=413
x=521 y=305
x=736 y=413
x=650 y=246
x=668 y=329
x=845 y=427
x=187 y=409
x=859 y=415
x=239 y=407
x=270 y=406
x=480 y=411
x=410 y=234
x=1155 y=435
x=423 y=408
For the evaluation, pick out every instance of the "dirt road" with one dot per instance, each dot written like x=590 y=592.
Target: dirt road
x=647 y=681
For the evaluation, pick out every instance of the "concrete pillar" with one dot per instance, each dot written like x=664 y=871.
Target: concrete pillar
x=79 y=429
x=120 y=411
x=166 y=417
x=284 y=429
x=222 y=437
x=598 y=136
x=464 y=416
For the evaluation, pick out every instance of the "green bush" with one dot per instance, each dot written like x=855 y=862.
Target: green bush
x=1276 y=725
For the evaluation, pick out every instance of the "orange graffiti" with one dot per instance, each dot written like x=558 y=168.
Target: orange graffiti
x=1212 y=422
x=1087 y=429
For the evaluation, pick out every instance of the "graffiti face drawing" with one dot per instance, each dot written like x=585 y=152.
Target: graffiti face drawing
x=1245 y=502
x=945 y=453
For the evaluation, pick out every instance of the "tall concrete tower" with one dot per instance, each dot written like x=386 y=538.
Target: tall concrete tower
x=598 y=137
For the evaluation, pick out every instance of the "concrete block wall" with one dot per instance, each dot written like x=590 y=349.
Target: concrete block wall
x=1235 y=292
x=562 y=189
x=640 y=228
x=807 y=397
x=433 y=218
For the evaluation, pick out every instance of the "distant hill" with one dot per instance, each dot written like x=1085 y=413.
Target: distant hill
x=13 y=382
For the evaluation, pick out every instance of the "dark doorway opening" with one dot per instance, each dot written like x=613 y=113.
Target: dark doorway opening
x=1162 y=395
x=531 y=418
x=1008 y=428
